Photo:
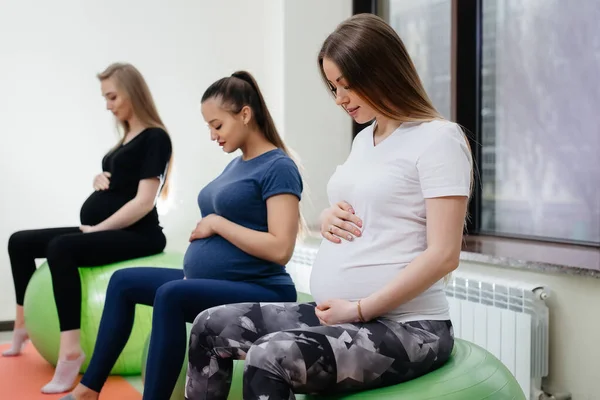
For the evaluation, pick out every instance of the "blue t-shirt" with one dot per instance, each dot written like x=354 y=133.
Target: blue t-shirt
x=240 y=195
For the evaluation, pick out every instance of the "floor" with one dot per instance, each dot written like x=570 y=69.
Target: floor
x=135 y=381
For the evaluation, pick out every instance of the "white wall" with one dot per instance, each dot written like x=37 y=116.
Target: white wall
x=315 y=127
x=273 y=87
x=54 y=129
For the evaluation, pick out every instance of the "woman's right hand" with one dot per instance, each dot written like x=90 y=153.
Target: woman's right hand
x=102 y=181
x=339 y=222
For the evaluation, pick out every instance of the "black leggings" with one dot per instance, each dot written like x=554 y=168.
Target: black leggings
x=288 y=351
x=65 y=250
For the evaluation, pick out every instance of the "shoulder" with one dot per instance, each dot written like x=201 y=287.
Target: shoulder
x=443 y=141
x=279 y=158
x=438 y=136
x=281 y=175
x=444 y=163
x=278 y=162
x=157 y=138
x=279 y=167
x=437 y=130
x=157 y=134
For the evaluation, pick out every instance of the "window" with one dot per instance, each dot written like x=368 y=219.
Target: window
x=539 y=95
x=425 y=29
x=527 y=90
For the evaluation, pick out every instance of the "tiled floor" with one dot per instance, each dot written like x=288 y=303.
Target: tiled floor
x=135 y=381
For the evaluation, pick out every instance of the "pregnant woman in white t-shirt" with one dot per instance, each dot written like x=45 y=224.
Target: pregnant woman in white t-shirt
x=392 y=233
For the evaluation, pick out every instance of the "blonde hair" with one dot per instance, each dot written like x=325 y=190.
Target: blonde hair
x=128 y=79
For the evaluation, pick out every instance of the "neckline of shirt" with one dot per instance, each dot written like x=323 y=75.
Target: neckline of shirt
x=259 y=156
x=403 y=126
x=135 y=137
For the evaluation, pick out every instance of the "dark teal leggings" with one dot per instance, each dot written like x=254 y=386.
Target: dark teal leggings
x=176 y=301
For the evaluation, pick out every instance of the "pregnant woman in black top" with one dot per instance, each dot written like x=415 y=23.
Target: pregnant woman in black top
x=119 y=219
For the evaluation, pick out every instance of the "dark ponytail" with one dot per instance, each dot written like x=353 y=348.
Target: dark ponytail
x=240 y=90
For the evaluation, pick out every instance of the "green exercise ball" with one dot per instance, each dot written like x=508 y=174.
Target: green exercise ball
x=41 y=318
x=472 y=373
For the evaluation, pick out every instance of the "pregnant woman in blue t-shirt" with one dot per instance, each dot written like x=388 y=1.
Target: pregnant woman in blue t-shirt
x=250 y=219
x=119 y=219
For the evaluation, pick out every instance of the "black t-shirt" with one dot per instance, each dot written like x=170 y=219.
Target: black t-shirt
x=145 y=156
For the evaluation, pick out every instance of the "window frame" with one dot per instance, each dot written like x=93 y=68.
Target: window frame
x=466 y=84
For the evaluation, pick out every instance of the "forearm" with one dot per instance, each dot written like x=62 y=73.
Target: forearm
x=425 y=270
x=129 y=214
x=262 y=245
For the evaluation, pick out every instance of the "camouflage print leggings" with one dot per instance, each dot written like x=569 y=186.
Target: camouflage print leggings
x=288 y=351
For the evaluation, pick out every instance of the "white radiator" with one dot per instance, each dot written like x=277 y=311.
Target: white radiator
x=507 y=318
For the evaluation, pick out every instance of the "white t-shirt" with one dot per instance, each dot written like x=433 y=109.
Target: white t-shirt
x=387 y=186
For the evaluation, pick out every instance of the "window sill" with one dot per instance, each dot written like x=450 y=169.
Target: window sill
x=533 y=255
x=521 y=254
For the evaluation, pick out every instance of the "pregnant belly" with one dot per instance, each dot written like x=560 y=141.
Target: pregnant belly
x=351 y=271
x=216 y=258
x=101 y=205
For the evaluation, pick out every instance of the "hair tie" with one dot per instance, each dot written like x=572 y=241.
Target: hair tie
x=245 y=77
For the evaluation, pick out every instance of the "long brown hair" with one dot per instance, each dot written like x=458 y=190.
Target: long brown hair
x=134 y=86
x=240 y=90
x=376 y=65
x=374 y=61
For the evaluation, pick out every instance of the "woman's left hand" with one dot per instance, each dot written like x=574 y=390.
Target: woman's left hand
x=337 y=311
x=204 y=228
x=87 y=228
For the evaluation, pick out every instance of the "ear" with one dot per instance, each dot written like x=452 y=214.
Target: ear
x=246 y=114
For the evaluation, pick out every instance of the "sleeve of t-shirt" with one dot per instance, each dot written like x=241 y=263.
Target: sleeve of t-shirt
x=157 y=154
x=445 y=165
x=282 y=177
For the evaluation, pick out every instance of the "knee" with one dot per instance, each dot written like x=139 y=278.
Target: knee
x=203 y=328
x=200 y=324
x=273 y=353
x=230 y=318
x=57 y=252
x=200 y=333
x=18 y=241
x=168 y=296
x=121 y=282
x=222 y=324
